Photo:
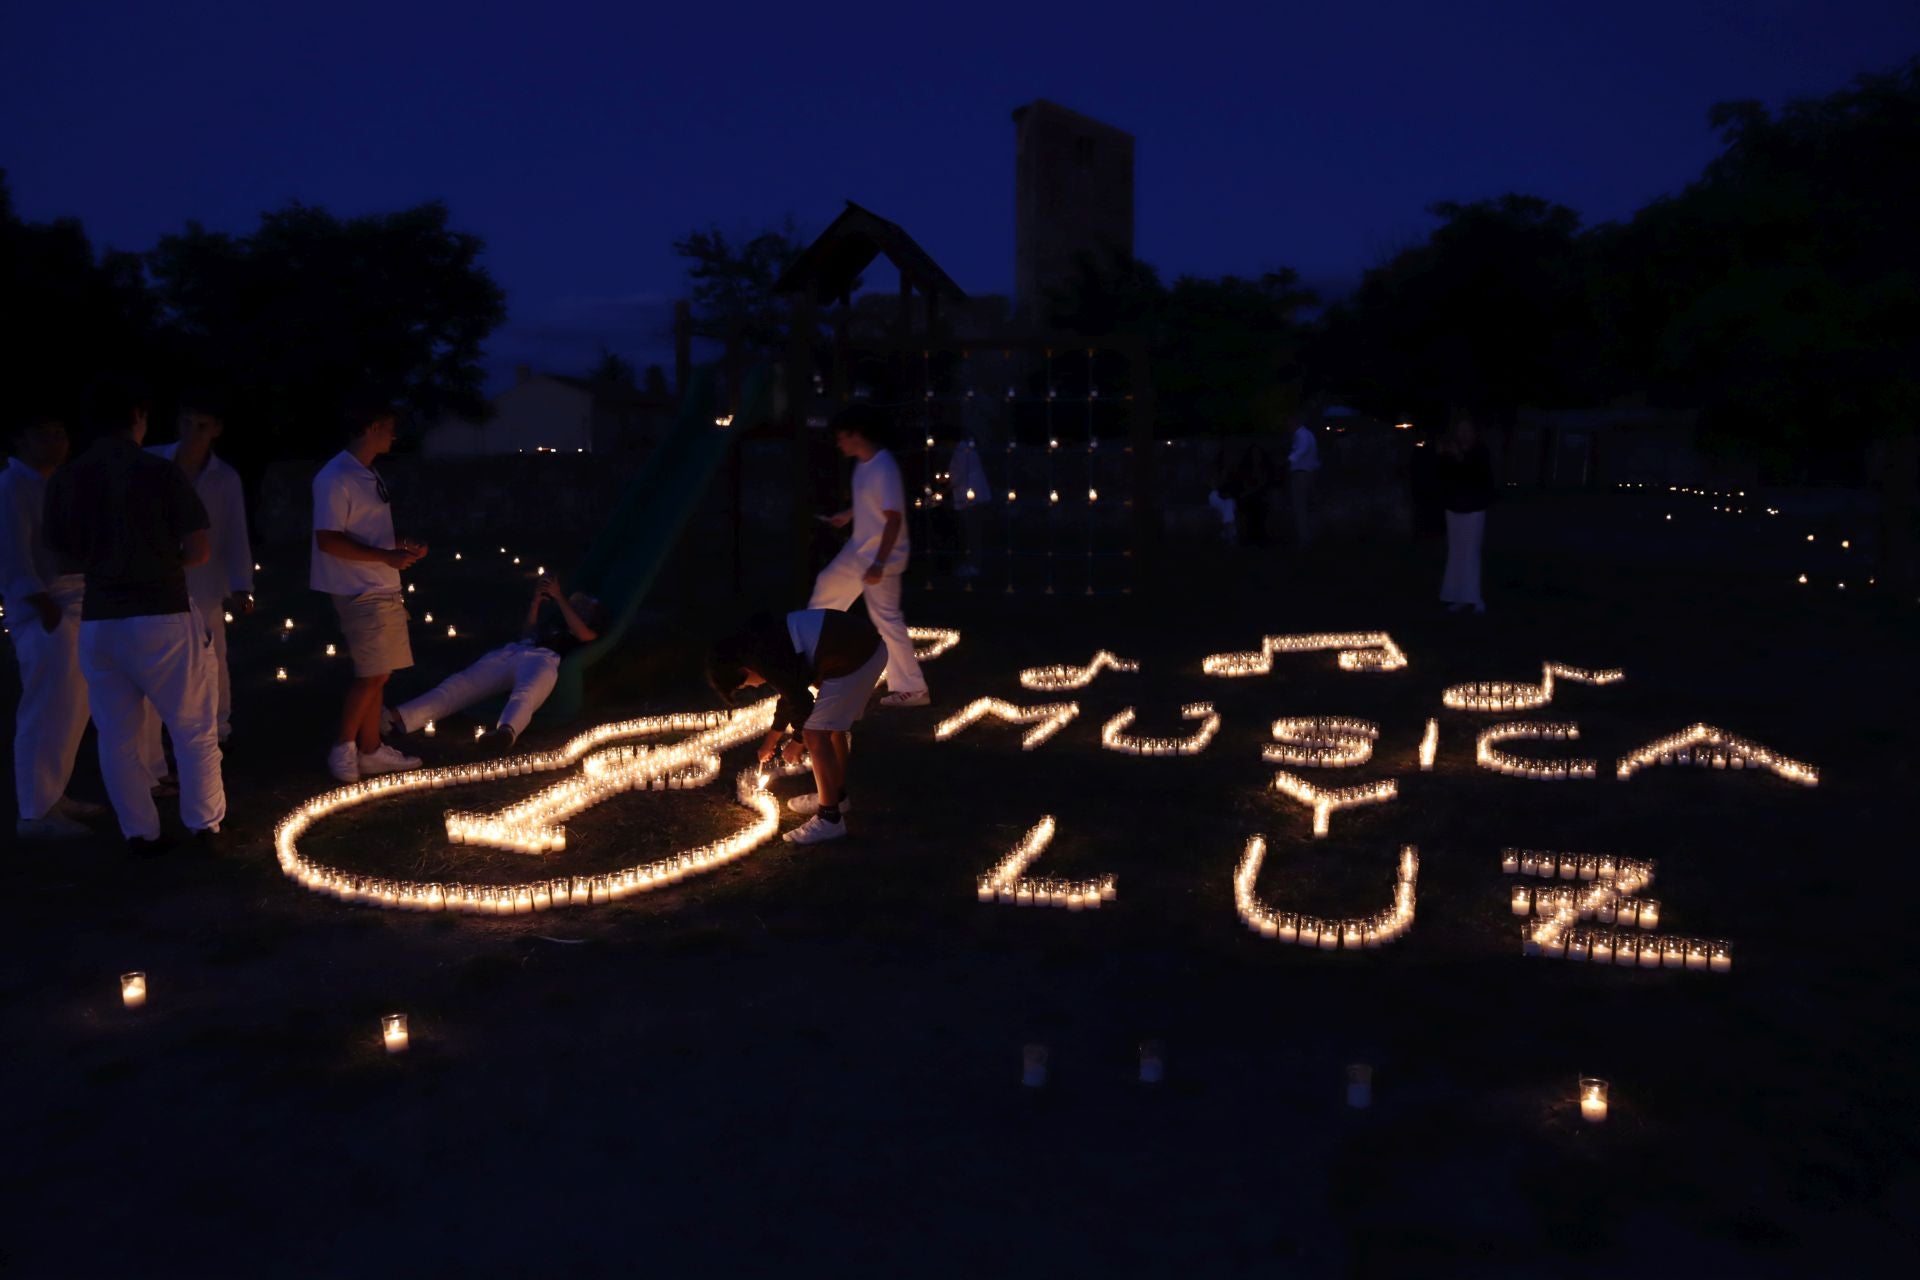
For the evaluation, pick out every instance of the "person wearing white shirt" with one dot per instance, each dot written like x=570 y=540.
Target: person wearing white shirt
x=876 y=554
x=43 y=603
x=226 y=579
x=1303 y=463
x=972 y=495
x=357 y=561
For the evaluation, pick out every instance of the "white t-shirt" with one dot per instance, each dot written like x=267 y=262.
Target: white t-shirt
x=229 y=570
x=877 y=489
x=349 y=498
x=803 y=628
x=1306 y=450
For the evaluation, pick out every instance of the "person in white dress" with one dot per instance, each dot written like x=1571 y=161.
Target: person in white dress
x=875 y=556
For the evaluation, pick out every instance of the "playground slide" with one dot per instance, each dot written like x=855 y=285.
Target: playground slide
x=626 y=557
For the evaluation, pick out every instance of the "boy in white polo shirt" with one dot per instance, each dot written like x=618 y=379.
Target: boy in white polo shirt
x=357 y=561
x=876 y=555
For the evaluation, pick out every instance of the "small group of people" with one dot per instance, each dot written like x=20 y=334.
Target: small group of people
x=119 y=566
x=1240 y=489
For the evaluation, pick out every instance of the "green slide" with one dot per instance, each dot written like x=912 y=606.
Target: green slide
x=626 y=557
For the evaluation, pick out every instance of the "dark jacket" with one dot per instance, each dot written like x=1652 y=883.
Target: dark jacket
x=847 y=643
x=1466 y=482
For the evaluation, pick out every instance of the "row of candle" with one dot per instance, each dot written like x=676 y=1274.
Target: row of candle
x=1114 y=736
x=1353 y=934
x=1324 y=801
x=1068 y=676
x=1564 y=906
x=1047 y=719
x=1006 y=881
x=1358 y=651
x=930 y=642
x=1321 y=742
x=1603 y=894
x=1724 y=751
x=1568 y=866
x=1513 y=695
x=1487 y=754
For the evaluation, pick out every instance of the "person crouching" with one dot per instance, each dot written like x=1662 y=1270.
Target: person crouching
x=840 y=654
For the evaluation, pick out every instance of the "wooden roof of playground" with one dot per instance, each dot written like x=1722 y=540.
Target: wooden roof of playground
x=833 y=262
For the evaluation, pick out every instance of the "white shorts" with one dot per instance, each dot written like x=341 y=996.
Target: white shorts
x=843 y=699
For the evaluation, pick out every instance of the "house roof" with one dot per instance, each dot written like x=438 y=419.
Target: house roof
x=829 y=266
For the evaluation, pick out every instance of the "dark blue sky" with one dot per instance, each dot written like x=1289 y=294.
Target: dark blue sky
x=579 y=139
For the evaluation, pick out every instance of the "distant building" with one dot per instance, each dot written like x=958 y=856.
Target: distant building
x=1073 y=195
x=554 y=413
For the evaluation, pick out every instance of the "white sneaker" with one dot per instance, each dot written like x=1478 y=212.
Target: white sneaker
x=387 y=760
x=809 y=803
x=51 y=827
x=918 y=698
x=343 y=762
x=815 y=831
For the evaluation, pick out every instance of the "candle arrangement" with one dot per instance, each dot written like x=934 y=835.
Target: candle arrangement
x=1321 y=742
x=930 y=642
x=1511 y=695
x=1007 y=882
x=1326 y=934
x=1047 y=719
x=1602 y=892
x=1704 y=746
x=1429 y=745
x=712 y=732
x=1066 y=676
x=1324 y=802
x=1114 y=736
x=1357 y=651
x=1488 y=755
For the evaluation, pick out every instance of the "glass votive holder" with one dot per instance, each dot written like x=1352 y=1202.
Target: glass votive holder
x=393 y=1032
x=1649 y=913
x=1593 y=1099
x=1522 y=901
x=133 y=989
x=1720 y=957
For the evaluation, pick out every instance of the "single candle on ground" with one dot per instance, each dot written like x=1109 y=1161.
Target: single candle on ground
x=393 y=1031
x=133 y=989
x=1593 y=1099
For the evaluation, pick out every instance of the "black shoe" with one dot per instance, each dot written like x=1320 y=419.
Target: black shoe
x=140 y=847
x=207 y=840
x=496 y=741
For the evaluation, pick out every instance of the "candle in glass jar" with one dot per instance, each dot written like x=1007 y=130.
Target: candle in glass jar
x=393 y=1032
x=1522 y=902
x=133 y=989
x=332 y=651
x=1593 y=1099
x=280 y=674
x=1720 y=959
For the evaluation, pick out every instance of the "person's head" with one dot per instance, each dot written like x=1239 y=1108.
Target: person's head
x=727 y=669
x=859 y=431
x=1460 y=431
x=370 y=429
x=40 y=440
x=591 y=611
x=202 y=420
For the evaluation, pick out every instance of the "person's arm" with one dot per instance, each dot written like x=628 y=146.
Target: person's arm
x=19 y=579
x=239 y=547
x=889 y=535
x=196 y=548
x=581 y=631
x=186 y=517
x=347 y=547
x=531 y=624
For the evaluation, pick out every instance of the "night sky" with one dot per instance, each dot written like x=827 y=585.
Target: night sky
x=580 y=139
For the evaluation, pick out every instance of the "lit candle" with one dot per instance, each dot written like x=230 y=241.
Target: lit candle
x=332 y=651
x=1593 y=1099
x=280 y=673
x=133 y=989
x=393 y=1030
x=229 y=615
x=287 y=625
x=429 y=729
x=1522 y=901
x=1649 y=914
x=1720 y=959
x=452 y=631
x=428 y=618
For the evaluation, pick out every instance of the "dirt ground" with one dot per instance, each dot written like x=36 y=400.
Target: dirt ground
x=810 y=1061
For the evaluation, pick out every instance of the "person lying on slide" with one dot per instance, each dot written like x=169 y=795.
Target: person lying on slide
x=525 y=670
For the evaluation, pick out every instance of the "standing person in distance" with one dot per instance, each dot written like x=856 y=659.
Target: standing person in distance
x=1466 y=491
x=357 y=562
x=876 y=555
x=1303 y=467
x=225 y=581
x=134 y=525
x=972 y=496
x=45 y=627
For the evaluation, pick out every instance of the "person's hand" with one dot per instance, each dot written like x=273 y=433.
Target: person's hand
x=839 y=519
x=550 y=588
x=766 y=751
x=241 y=602
x=50 y=613
x=404 y=556
x=794 y=752
x=872 y=575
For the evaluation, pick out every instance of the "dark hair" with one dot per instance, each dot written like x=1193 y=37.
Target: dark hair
x=203 y=399
x=862 y=420
x=114 y=403
x=31 y=416
x=359 y=418
x=594 y=613
x=726 y=668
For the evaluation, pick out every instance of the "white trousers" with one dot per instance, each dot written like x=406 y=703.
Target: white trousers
x=841 y=583
x=524 y=672
x=1462 y=582
x=53 y=703
x=166 y=660
x=155 y=758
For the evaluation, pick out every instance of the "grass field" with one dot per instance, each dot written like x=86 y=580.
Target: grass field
x=810 y=1060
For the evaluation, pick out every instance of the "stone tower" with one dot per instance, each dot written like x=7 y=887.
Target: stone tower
x=1073 y=194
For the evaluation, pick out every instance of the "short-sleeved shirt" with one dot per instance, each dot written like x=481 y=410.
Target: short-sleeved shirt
x=351 y=498
x=877 y=489
x=552 y=632
x=808 y=646
x=120 y=514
